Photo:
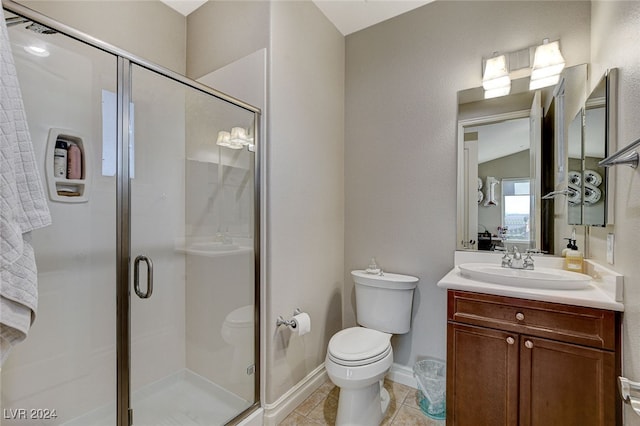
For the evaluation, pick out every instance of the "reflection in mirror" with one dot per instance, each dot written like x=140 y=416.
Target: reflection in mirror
x=595 y=149
x=503 y=159
x=510 y=149
x=574 y=165
x=589 y=188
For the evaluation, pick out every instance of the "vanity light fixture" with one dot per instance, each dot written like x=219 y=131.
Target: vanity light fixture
x=548 y=63
x=495 y=79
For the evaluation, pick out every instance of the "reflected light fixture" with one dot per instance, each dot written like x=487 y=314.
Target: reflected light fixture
x=495 y=79
x=548 y=63
x=239 y=136
x=236 y=139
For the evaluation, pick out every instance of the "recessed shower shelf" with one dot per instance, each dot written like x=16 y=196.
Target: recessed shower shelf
x=62 y=189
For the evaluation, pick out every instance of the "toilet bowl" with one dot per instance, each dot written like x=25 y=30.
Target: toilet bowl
x=358 y=358
x=357 y=361
x=237 y=328
x=238 y=331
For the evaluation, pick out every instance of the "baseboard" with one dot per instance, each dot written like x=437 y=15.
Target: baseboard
x=403 y=375
x=254 y=419
x=276 y=412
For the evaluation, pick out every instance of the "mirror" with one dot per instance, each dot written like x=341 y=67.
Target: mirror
x=574 y=166
x=596 y=144
x=511 y=152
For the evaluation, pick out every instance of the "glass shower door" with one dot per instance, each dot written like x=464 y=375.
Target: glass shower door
x=192 y=253
x=64 y=372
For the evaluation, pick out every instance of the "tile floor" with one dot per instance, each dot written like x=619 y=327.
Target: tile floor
x=320 y=408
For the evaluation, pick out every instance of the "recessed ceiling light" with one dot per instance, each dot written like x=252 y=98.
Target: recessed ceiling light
x=37 y=51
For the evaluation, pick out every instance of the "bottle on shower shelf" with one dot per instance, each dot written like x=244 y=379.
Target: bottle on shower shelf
x=60 y=159
x=74 y=162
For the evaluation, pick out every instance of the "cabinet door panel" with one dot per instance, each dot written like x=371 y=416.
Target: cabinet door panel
x=482 y=376
x=563 y=384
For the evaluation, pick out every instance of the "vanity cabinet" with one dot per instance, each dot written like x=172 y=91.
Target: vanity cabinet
x=521 y=362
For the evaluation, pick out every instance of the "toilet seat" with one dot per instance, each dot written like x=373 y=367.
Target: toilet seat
x=357 y=346
x=241 y=317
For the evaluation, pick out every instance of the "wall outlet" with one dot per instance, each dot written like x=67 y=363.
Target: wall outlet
x=610 y=244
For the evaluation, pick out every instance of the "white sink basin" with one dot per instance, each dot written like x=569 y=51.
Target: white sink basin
x=546 y=278
x=213 y=246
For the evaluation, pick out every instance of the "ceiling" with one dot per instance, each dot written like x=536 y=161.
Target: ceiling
x=501 y=139
x=348 y=16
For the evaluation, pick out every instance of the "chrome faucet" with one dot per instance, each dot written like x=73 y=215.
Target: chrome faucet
x=515 y=260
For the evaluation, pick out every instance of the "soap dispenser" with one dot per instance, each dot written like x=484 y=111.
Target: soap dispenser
x=373 y=267
x=569 y=247
x=574 y=259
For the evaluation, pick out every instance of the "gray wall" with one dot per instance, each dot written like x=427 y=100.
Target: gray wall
x=220 y=32
x=402 y=77
x=149 y=29
x=306 y=188
x=614 y=34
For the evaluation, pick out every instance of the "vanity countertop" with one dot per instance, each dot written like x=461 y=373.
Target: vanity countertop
x=604 y=291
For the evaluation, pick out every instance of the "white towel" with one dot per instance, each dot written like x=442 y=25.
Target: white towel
x=23 y=207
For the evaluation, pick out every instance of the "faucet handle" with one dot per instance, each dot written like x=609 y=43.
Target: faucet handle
x=506 y=260
x=528 y=261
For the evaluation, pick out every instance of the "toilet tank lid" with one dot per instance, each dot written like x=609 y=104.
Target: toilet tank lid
x=386 y=280
x=242 y=316
x=356 y=343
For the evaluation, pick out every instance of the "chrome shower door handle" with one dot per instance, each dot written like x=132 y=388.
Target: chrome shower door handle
x=136 y=277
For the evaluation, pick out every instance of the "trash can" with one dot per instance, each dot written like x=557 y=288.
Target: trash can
x=431 y=376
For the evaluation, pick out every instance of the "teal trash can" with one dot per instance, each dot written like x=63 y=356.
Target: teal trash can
x=431 y=375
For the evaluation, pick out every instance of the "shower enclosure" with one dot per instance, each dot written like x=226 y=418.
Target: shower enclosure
x=148 y=277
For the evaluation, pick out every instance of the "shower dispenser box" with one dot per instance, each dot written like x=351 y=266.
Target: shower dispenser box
x=60 y=164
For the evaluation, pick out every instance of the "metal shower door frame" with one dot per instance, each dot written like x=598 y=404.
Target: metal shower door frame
x=125 y=61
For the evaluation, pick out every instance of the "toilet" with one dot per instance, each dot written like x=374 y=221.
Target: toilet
x=238 y=331
x=359 y=357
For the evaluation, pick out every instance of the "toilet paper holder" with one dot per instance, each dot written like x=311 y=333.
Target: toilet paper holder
x=290 y=322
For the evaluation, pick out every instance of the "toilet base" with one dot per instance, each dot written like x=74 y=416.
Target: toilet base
x=362 y=407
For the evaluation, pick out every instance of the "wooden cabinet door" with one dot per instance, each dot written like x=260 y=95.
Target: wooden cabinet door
x=482 y=376
x=563 y=384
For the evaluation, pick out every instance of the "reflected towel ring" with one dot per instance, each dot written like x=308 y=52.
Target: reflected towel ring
x=591 y=194
x=575 y=178
x=573 y=195
x=592 y=177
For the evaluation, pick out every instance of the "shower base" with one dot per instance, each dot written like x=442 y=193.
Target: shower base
x=182 y=399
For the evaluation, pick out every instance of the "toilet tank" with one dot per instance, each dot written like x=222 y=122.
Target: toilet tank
x=384 y=302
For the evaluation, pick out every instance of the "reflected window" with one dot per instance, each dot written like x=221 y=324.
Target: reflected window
x=109 y=138
x=516 y=209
